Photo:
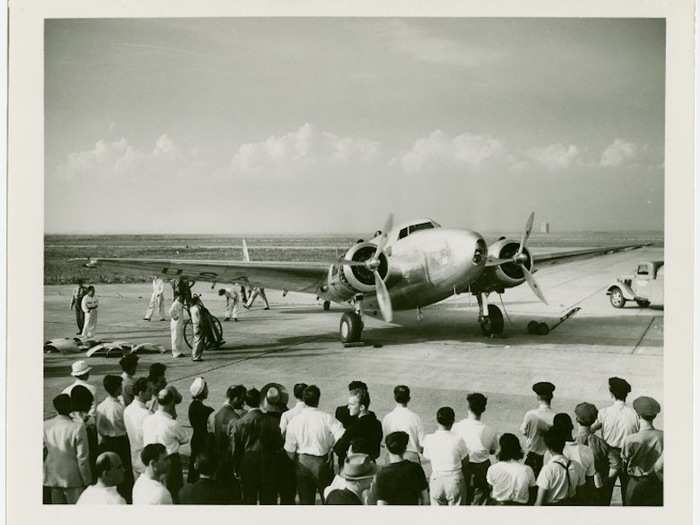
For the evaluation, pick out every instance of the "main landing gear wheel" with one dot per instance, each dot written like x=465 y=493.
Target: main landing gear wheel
x=616 y=298
x=493 y=324
x=350 y=327
x=326 y=306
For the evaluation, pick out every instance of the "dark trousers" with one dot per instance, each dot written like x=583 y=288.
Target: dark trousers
x=267 y=479
x=534 y=461
x=225 y=475
x=79 y=318
x=120 y=446
x=478 y=489
x=614 y=457
x=313 y=474
x=646 y=491
x=173 y=478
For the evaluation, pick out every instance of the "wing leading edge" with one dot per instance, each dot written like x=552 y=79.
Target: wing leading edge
x=553 y=259
x=293 y=276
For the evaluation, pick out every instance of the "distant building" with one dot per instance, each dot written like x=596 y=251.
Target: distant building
x=544 y=227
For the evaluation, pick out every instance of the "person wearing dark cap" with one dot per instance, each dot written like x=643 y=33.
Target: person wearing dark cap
x=163 y=428
x=586 y=415
x=289 y=414
x=560 y=478
x=581 y=454
x=616 y=422
x=112 y=431
x=641 y=453
x=128 y=364
x=367 y=425
x=198 y=414
x=449 y=458
x=481 y=442
x=358 y=472
x=511 y=481
x=401 y=482
x=404 y=419
x=536 y=422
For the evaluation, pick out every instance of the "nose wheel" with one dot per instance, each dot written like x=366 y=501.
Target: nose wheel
x=490 y=317
x=351 y=326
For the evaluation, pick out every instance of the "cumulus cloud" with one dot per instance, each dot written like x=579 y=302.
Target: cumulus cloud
x=620 y=153
x=303 y=147
x=438 y=150
x=555 y=157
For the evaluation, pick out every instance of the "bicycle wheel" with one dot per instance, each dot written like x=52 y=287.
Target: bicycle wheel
x=217 y=331
x=189 y=333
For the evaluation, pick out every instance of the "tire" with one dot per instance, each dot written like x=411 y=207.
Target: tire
x=326 y=306
x=493 y=324
x=217 y=330
x=542 y=329
x=532 y=327
x=642 y=303
x=617 y=299
x=188 y=331
x=350 y=327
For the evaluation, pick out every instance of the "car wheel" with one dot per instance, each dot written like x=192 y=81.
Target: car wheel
x=616 y=298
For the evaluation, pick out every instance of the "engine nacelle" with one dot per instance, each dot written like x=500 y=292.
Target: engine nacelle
x=345 y=281
x=506 y=275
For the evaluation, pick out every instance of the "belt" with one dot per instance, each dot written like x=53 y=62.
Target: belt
x=313 y=455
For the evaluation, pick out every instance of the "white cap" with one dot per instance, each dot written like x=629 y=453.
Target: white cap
x=197 y=386
x=79 y=368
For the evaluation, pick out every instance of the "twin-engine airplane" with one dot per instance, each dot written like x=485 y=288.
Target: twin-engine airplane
x=409 y=266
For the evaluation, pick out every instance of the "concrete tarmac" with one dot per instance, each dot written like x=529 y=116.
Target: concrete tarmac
x=441 y=358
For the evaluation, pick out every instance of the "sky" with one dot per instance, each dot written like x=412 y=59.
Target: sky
x=303 y=125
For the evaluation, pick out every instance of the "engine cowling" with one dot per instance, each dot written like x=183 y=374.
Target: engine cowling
x=506 y=275
x=344 y=281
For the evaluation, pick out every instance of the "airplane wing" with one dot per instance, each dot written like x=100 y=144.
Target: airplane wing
x=553 y=259
x=292 y=276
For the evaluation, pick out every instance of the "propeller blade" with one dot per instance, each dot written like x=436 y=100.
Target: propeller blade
x=385 y=234
x=533 y=284
x=383 y=298
x=492 y=261
x=348 y=262
x=526 y=233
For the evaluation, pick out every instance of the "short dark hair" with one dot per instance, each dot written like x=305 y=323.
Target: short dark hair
x=81 y=398
x=235 y=391
x=445 y=416
x=222 y=291
x=509 y=447
x=562 y=422
x=402 y=394
x=140 y=385
x=62 y=404
x=156 y=370
x=299 y=390
x=477 y=403
x=129 y=362
x=91 y=287
x=152 y=452
x=252 y=397
x=362 y=396
x=311 y=395
x=554 y=440
x=206 y=462
x=112 y=384
x=103 y=464
x=396 y=442
x=357 y=384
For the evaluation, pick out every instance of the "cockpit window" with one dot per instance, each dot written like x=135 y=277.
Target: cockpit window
x=422 y=226
x=403 y=233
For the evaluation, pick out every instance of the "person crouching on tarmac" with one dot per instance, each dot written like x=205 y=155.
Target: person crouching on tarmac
x=254 y=294
x=198 y=322
x=177 y=326
x=232 y=302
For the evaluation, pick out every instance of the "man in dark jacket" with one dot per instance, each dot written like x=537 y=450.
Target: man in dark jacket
x=367 y=426
x=341 y=413
x=206 y=490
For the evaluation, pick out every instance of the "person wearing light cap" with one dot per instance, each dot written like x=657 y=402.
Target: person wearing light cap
x=81 y=372
x=163 y=428
x=641 y=453
x=586 y=415
x=535 y=423
x=358 y=472
x=615 y=423
x=198 y=414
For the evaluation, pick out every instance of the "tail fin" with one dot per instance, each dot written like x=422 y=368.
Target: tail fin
x=246 y=255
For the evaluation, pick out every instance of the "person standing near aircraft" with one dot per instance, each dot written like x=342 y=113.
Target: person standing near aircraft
x=157 y=300
x=198 y=328
x=89 y=306
x=76 y=304
x=535 y=423
x=405 y=420
x=184 y=289
x=254 y=294
x=177 y=326
x=232 y=302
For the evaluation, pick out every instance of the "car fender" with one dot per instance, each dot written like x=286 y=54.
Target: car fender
x=627 y=292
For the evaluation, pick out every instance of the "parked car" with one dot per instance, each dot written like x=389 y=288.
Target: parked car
x=645 y=287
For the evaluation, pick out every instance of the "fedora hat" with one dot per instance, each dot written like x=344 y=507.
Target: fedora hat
x=79 y=368
x=357 y=467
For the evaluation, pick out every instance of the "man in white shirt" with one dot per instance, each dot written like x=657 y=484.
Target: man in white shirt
x=449 y=458
x=198 y=342
x=232 y=303
x=309 y=441
x=149 y=489
x=292 y=412
x=561 y=478
x=134 y=415
x=481 y=442
x=81 y=372
x=112 y=431
x=157 y=300
x=535 y=423
x=163 y=428
x=616 y=422
x=109 y=472
x=402 y=419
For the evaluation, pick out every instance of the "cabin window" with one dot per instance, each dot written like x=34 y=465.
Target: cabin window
x=642 y=270
x=423 y=226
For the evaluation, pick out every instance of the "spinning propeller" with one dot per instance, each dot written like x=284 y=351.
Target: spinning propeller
x=520 y=258
x=372 y=264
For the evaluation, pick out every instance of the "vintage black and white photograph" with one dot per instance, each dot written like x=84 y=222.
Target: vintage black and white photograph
x=354 y=261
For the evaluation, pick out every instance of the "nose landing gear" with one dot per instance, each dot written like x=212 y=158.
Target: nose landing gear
x=351 y=324
x=490 y=317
